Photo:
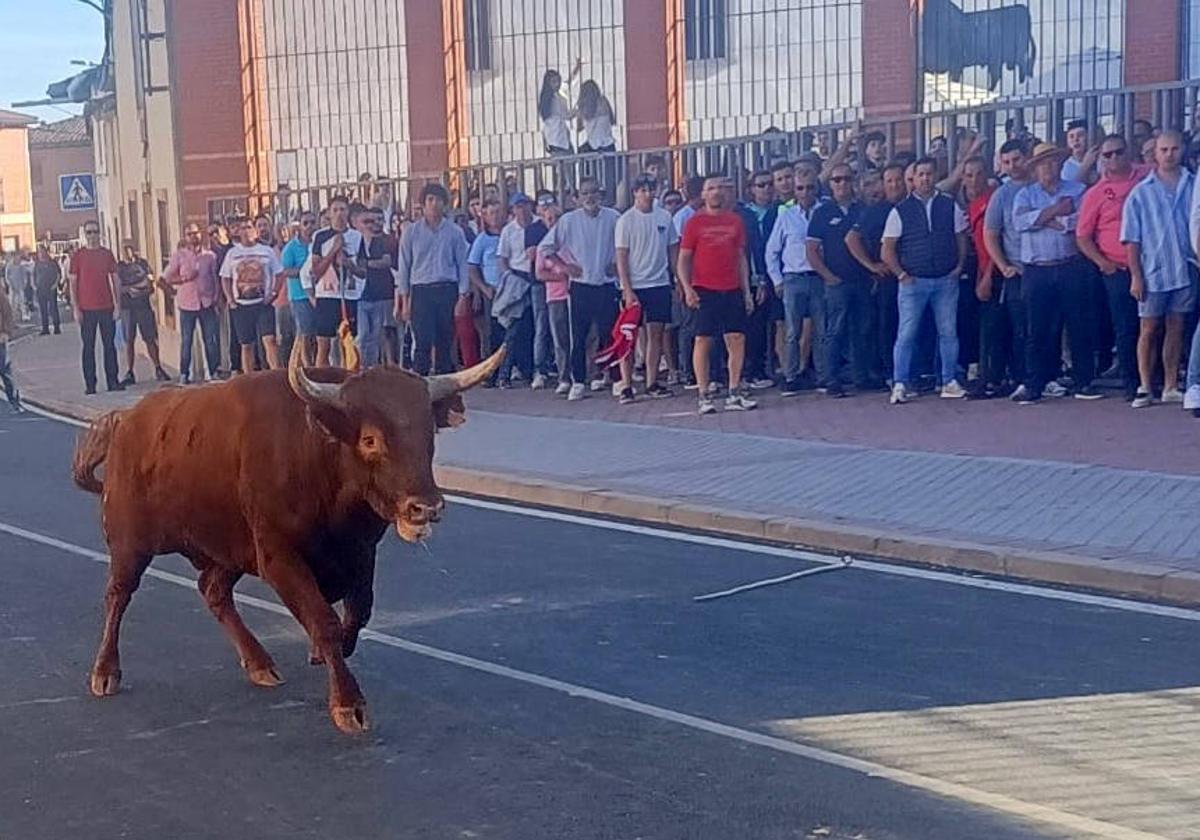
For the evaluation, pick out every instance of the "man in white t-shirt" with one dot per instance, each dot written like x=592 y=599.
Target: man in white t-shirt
x=252 y=277
x=647 y=246
x=332 y=276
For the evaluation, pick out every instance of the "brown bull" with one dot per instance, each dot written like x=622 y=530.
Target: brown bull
x=287 y=475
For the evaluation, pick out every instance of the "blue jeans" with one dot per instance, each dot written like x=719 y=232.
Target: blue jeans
x=372 y=317
x=1193 y=370
x=804 y=297
x=518 y=350
x=848 y=324
x=1058 y=294
x=940 y=293
x=542 y=342
x=210 y=336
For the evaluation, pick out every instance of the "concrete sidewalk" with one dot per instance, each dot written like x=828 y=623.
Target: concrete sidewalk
x=1097 y=525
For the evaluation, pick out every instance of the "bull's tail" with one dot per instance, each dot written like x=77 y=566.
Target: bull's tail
x=92 y=449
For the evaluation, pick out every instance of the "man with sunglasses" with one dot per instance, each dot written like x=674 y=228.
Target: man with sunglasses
x=1098 y=234
x=192 y=275
x=1155 y=228
x=94 y=297
x=796 y=283
x=251 y=277
x=294 y=256
x=847 y=290
x=759 y=215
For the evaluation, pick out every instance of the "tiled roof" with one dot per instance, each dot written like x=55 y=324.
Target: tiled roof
x=69 y=132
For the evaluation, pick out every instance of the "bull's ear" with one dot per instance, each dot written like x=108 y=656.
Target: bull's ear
x=335 y=421
x=450 y=412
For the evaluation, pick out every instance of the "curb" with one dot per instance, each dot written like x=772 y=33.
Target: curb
x=1139 y=578
x=1144 y=579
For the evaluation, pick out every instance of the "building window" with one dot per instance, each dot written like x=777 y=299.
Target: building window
x=477 y=30
x=705 y=29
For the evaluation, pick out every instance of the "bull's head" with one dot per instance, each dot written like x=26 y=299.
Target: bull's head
x=387 y=417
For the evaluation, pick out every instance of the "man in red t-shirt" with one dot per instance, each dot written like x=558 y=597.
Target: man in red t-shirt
x=715 y=279
x=93 y=278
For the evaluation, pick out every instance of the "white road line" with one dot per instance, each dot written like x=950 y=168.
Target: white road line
x=998 y=802
x=50 y=415
x=954 y=578
x=829 y=560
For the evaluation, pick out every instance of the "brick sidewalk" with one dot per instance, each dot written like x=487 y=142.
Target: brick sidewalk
x=1093 y=494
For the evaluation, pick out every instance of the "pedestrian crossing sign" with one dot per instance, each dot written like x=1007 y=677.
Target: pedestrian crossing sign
x=77 y=192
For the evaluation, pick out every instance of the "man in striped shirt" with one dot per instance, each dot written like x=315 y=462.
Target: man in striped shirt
x=1155 y=230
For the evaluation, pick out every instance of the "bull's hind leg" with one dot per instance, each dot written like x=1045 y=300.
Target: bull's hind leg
x=124 y=575
x=216 y=585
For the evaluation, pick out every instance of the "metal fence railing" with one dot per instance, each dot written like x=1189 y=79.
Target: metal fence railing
x=1161 y=106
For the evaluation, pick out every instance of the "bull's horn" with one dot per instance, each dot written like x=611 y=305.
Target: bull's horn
x=308 y=390
x=449 y=384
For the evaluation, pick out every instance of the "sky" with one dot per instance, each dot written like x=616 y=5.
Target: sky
x=38 y=40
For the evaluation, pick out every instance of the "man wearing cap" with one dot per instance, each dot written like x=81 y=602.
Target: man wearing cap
x=925 y=246
x=647 y=244
x=1056 y=280
x=1099 y=238
x=1155 y=229
x=512 y=255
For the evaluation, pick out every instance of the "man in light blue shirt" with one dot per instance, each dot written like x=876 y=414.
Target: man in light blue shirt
x=796 y=283
x=1156 y=231
x=1056 y=279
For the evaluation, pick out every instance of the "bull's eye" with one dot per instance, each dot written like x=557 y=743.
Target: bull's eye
x=369 y=442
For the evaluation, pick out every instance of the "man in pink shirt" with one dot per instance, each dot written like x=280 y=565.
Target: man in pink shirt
x=1098 y=233
x=192 y=276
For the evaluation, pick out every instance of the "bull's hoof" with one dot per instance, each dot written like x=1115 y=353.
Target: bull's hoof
x=105 y=685
x=349 y=643
x=351 y=720
x=264 y=677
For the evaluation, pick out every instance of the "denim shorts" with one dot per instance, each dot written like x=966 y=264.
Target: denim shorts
x=1175 y=302
x=305 y=316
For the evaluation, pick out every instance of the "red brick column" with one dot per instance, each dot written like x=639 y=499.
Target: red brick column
x=647 y=83
x=1152 y=41
x=428 y=44
x=889 y=59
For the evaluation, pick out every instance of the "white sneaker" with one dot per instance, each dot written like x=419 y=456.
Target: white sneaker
x=1054 y=389
x=1141 y=400
x=1172 y=396
x=899 y=394
x=598 y=384
x=575 y=393
x=713 y=389
x=617 y=389
x=539 y=382
x=972 y=371
x=762 y=384
x=209 y=376
x=1191 y=400
x=953 y=391
x=736 y=402
x=563 y=388
x=1019 y=393
x=706 y=406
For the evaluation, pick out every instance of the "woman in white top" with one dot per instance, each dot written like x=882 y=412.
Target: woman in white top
x=596 y=118
x=556 y=113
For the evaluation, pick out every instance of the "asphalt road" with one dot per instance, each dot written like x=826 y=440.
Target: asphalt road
x=538 y=678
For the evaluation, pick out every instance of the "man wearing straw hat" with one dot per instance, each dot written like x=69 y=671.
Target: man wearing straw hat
x=1055 y=280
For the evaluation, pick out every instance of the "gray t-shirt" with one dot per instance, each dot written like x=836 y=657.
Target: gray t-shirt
x=590 y=242
x=999 y=218
x=648 y=236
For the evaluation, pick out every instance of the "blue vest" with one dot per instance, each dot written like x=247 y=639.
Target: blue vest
x=926 y=252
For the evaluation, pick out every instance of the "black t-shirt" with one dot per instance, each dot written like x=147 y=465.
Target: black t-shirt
x=135 y=283
x=871 y=222
x=830 y=224
x=381 y=285
x=535 y=232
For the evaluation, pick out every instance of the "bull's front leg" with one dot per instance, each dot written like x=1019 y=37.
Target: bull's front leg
x=356 y=606
x=287 y=573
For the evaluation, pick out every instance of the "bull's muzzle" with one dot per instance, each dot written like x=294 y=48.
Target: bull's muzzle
x=415 y=517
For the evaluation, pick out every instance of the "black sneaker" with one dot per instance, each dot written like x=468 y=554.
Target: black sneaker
x=128 y=380
x=89 y=390
x=835 y=390
x=161 y=375
x=659 y=392
x=627 y=397
x=120 y=386
x=1088 y=392
x=790 y=388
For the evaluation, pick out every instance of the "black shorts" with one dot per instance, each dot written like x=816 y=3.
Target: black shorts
x=139 y=319
x=720 y=312
x=329 y=316
x=252 y=321
x=656 y=304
